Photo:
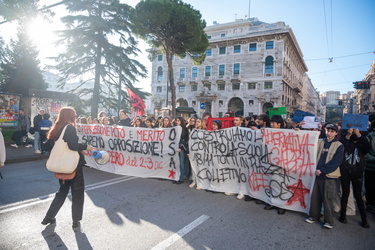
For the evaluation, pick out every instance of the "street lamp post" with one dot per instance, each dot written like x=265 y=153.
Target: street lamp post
x=119 y=83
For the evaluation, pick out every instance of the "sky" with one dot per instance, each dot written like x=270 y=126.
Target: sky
x=339 y=29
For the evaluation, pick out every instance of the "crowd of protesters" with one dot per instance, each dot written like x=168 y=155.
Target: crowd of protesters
x=345 y=157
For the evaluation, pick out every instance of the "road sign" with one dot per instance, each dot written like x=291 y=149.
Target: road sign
x=202 y=105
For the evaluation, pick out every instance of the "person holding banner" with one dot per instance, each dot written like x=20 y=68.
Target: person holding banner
x=66 y=118
x=201 y=124
x=167 y=122
x=277 y=122
x=263 y=121
x=124 y=119
x=183 y=148
x=330 y=154
x=356 y=146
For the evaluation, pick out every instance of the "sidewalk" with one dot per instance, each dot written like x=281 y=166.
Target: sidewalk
x=22 y=154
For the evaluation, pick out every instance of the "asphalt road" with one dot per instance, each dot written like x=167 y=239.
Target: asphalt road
x=123 y=212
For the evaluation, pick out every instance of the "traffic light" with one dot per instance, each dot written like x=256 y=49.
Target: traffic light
x=361 y=85
x=366 y=85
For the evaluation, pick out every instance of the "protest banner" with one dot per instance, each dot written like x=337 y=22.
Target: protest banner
x=274 y=165
x=226 y=122
x=137 y=152
x=300 y=114
x=357 y=121
x=277 y=111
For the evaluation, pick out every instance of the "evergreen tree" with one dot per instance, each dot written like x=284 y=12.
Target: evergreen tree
x=21 y=69
x=89 y=51
x=173 y=27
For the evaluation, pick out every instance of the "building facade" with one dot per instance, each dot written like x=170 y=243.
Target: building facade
x=250 y=66
x=366 y=97
x=311 y=101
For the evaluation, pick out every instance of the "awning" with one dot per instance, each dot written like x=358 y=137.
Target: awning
x=189 y=110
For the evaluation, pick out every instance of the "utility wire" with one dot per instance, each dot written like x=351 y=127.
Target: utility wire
x=338 y=69
x=317 y=59
x=326 y=28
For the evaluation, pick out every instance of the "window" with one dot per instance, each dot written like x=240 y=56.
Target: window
x=160 y=73
x=222 y=35
x=158 y=89
x=236 y=86
x=221 y=86
x=222 y=50
x=207 y=85
x=252 y=47
x=221 y=102
x=269 y=65
x=251 y=85
x=194 y=72
x=208 y=37
x=236 y=69
x=194 y=103
x=220 y=114
x=209 y=52
x=182 y=72
x=267 y=85
x=194 y=87
x=181 y=88
x=251 y=102
x=160 y=58
x=269 y=45
x=237 y=49
x=207 y=71
x=221 y=70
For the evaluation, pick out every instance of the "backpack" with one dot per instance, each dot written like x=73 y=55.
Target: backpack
x=45 y=125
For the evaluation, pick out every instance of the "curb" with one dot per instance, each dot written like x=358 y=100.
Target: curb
x=18 y=160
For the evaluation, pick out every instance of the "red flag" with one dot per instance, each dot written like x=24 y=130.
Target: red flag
x=137 y=103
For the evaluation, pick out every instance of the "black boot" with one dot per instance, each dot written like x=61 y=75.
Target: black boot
x=342 y=219
x=364 y=224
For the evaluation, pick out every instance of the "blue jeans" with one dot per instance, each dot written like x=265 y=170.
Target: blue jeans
x=182 y=165
x=37 y=143
x=21 y=134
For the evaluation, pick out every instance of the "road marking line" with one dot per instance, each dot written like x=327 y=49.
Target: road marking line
x=41 y=199
x=181 y=233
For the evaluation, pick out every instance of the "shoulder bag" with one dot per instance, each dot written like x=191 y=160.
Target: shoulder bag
x=62 y=159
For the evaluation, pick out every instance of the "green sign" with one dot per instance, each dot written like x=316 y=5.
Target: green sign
x=277 y=111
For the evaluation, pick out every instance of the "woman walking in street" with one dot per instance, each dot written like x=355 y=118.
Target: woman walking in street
x=66 y=118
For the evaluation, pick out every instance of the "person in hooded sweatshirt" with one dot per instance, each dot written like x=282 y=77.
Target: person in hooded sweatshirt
x=356 y=146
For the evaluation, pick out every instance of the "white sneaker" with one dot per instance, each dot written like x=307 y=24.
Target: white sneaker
x=28 y=146
x=327 y=225
x=14 y=145
x=38 y=151
x=310 y=220
x=192 y=185
x=240 y=196
x=227 y=193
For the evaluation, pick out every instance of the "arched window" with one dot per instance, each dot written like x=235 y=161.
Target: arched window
x=160 y=73
x=269 y=65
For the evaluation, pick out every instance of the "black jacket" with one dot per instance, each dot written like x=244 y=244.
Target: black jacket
x=355 y=150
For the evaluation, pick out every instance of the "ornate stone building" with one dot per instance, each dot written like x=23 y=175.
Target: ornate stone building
x=366 y=97
x=250 y=66
x=311 y=101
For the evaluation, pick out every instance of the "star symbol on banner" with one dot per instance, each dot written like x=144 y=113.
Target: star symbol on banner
x=299 y=192
x=171 y=174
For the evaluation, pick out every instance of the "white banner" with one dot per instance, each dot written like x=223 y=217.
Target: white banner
x=137 y=152
x=273 y=165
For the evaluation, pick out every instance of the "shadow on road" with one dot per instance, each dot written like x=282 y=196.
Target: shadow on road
x=52 y=238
